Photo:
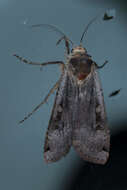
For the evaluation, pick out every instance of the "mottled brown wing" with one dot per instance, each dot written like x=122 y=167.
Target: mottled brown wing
x=91 y=138
x=59 y=134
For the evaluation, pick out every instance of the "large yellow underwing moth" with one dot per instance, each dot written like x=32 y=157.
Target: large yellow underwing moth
x=78 y=117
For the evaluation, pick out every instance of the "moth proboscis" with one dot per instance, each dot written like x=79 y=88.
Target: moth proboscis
x=78 y=117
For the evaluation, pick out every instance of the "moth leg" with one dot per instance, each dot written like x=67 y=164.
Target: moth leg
x=66 y=43
x=101 y=66
x=40 y=64
x=43 y=102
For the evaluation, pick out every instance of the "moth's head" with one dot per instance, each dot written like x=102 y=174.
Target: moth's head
x=78 y=49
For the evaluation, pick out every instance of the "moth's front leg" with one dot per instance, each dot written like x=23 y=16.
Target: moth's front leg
x=51 y=90
x=67 y=45
x=101 y=66
x=39 y=64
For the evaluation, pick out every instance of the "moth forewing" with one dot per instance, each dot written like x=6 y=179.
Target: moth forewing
x=101 y=112
x=91 y=137
x=59 y=133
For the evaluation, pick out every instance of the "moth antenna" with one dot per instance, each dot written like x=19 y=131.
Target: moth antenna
x=86 y=28
x=53 y=28
x=93 y=20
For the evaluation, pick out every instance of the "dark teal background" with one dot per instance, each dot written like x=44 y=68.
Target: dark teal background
x=22 y=87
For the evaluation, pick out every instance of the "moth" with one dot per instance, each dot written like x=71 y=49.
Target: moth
x=78 y=117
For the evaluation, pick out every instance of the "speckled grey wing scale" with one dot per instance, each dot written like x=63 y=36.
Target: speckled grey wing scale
x=91 y=138
x=79 y=119
x=59 y=134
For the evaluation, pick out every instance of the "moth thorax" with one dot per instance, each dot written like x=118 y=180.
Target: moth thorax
x=79 y=49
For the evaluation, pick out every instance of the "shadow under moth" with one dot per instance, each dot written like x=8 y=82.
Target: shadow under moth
x=78 y=117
